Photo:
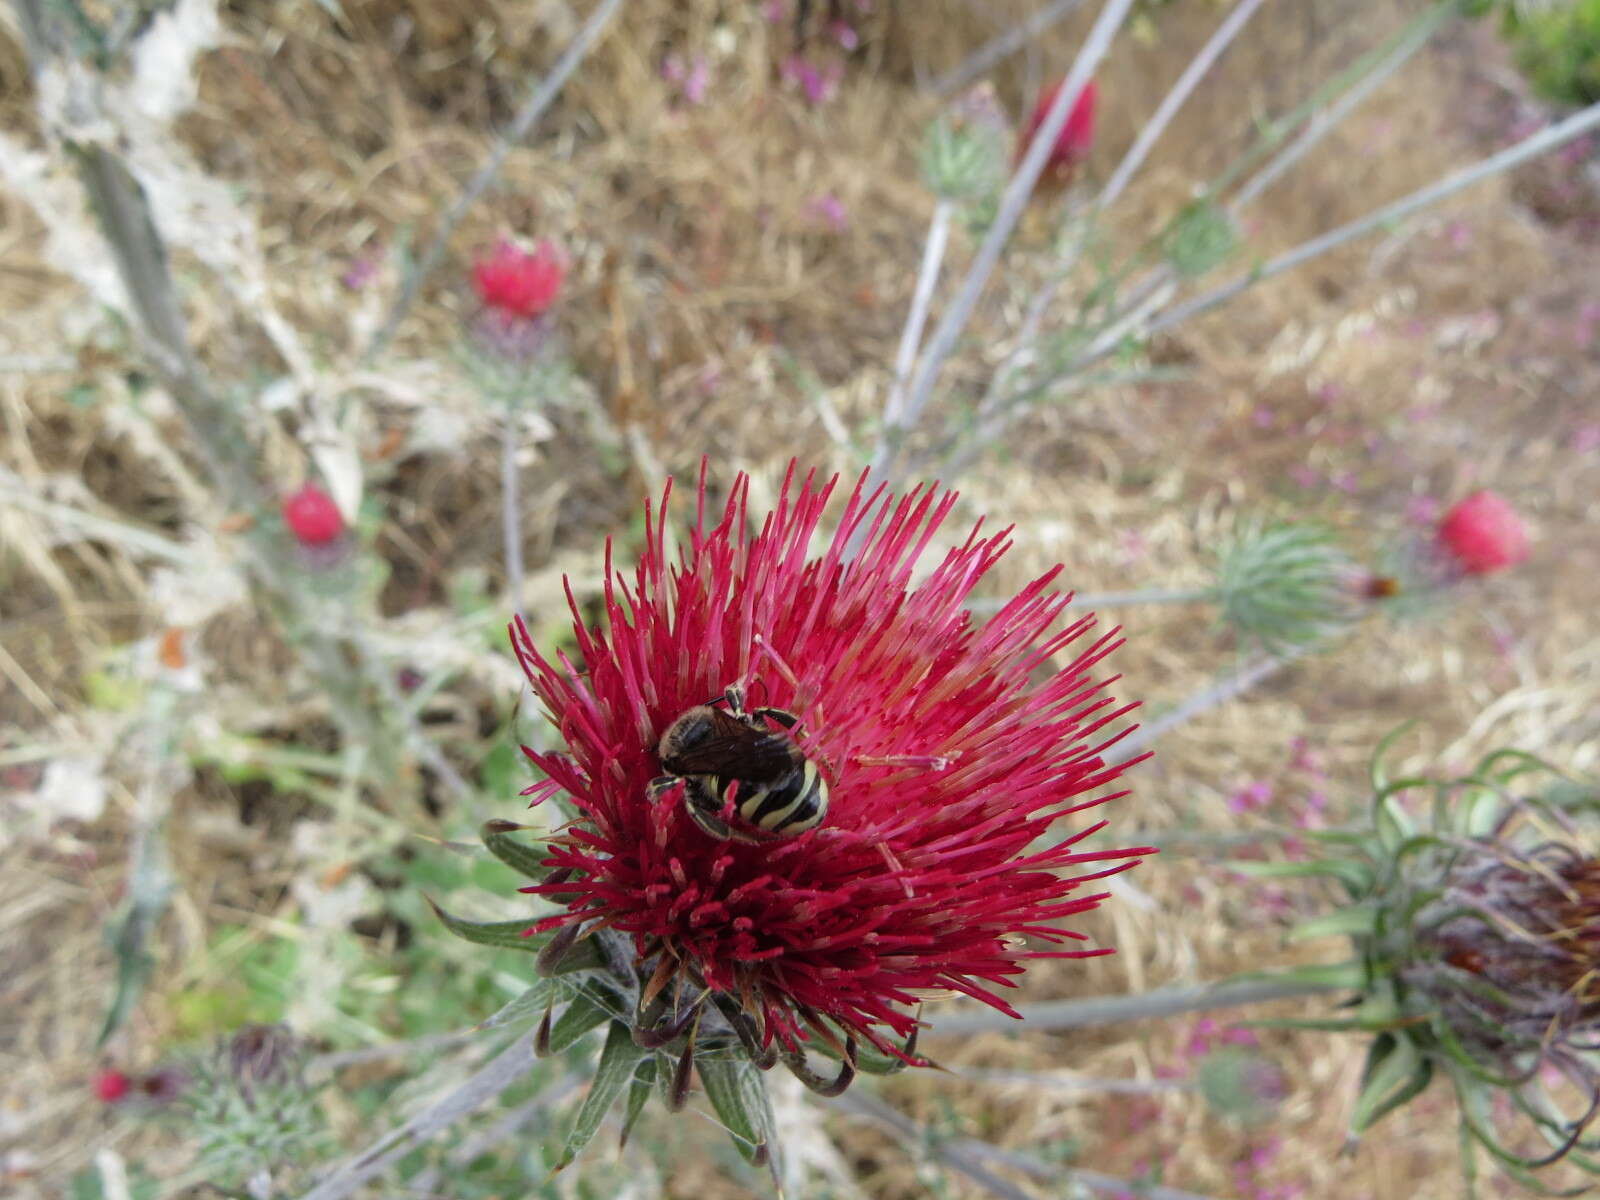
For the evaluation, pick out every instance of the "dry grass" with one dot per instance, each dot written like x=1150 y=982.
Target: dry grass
x=703 y=274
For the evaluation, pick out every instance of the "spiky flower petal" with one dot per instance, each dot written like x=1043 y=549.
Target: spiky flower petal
x=954 y=752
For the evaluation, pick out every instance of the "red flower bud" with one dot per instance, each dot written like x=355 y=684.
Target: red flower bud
x=312 y=516
x=1484 y=534
x=517 y=284
x=1076 y=136
x=111 y=1086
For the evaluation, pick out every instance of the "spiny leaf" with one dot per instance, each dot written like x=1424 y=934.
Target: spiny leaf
x=149 y=888
x=739 y=1094
x=1395 y=1072
x=638 y=1092
x=584 y=1013
x=1351 y=921
x=619 y=1059
x=504 y=935
x=541 y=994
x=519 y=856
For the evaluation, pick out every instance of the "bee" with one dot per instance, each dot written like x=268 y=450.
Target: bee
x=723 y=754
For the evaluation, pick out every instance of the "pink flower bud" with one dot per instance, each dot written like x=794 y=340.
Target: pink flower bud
x=111 y=1086
x=517 y=284
x=313 y=517
x=1076 y=136
x=1483 y=534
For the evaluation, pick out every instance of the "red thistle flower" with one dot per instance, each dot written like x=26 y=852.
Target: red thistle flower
x=1076 y=136
x=949 y=749
x=313 y=517
x=111 y=1086
x=516 y=284
x=1483 y=534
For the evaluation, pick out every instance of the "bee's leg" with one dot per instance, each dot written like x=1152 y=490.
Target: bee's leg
x=712 y=824
x=661 y=785
x=795 y=1060
x=787 y=719
x=733 y=695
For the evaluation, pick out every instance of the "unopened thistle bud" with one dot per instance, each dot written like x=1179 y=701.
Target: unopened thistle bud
x=964 y=156
x=248 y=1104
x=1286 y=585
x=1243 y=1084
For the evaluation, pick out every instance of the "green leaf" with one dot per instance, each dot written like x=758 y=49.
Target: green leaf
x=519 y=856
x=1351 y=922
x=1353 y=875
x=619 y=1059
x=149 y=889
x=539 y=996
x=1395 y=1072
x=586 y=1012
x=504 y=935
x=739 y=1094
x=638 y=1093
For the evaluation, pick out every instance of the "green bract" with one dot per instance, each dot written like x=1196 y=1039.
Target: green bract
x=1473 y=906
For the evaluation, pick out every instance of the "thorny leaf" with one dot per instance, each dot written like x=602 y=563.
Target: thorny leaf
x=618 y=1061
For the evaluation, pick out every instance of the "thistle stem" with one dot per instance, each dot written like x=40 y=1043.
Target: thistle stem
x=1111 y=599
x=1004 y=44
x=1174 y=101
x=1394 y=56
x=511 y=508
x=1230 y=687
x=532 y=109
x=905 y=358
x=969 y=1156
x=1530 y=147
x=1144 y=1006
x=1012 y=203
x=511 y=1064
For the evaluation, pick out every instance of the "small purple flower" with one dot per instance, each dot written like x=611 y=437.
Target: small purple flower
x=829 y=209
x=1251 y=798
x=775 y=10
x=845 y=34
x=819 y=84
x=1422 y=511
x=1264 y=417
x=1305 y=476
x=1586 y=438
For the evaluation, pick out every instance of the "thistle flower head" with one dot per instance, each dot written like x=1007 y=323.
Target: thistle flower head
x=1476 y=923
x=111 y=1085
x=518 y=284
x=1483 y=534
x=943 y=761
x=313 y=517
x=933 y=761
x=1073 y=143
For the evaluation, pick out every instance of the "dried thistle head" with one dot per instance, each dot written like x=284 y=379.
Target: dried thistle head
x=1475 y=918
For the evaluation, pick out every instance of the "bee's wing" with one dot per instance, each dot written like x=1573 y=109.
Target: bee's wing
x=734 y=750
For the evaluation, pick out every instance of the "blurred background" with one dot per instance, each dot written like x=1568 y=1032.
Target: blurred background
x=233 y=757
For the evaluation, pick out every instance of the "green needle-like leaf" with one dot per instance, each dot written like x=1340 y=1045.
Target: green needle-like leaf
x=505 y=935
x=519 y=856
x=586 y=1012
x=619 y=1060
x=739 y=1095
